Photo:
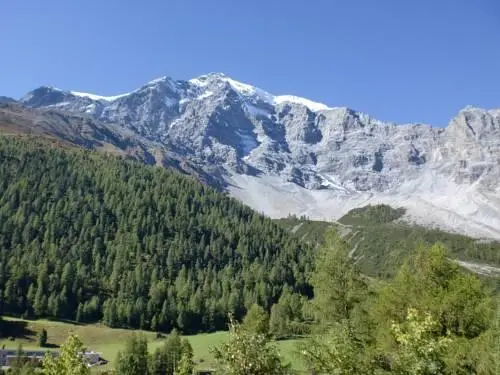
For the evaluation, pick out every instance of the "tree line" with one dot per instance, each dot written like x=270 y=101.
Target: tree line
x=91 y=238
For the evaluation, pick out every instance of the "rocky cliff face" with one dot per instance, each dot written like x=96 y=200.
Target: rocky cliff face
x=284 y=154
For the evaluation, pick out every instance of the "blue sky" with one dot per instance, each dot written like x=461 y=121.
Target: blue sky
x=403 y=61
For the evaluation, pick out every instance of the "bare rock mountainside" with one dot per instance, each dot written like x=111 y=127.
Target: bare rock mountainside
x=285 y=154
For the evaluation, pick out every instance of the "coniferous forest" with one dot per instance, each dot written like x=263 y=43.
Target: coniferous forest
x=90 y=238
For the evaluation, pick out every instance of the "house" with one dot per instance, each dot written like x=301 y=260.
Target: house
x=8 y=356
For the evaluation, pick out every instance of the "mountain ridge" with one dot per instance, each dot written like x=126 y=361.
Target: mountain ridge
x=283 y=154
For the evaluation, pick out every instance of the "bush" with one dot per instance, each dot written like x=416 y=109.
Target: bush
x=42 y=338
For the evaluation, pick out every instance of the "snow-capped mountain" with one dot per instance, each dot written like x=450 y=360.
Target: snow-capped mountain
x=285 y=154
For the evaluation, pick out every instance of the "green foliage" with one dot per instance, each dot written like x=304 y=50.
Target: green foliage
x=279 y=323
x=460 y=307
x=133 y=359
x=372 y=215
x=335 y=352
x=173 y=351
x=312 y=231
x=186 y=363
x=419 y=350
x=42 y=338
x=21 y=366
x=88 y=237
x=338 y=285
x=256 y=320
x=247 y=353
x=431 y=283
x=432 y=318
x=174 y=357
x=70 y=360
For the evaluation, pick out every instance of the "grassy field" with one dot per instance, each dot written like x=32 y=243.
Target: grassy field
x=108 y=341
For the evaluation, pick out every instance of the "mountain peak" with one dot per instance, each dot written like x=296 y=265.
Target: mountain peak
x=479 y=110
x=253 y=92
x=6 y=99
x=43 y=96
x=313 y=106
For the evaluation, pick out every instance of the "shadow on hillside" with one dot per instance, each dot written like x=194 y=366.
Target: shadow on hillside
x=51 y=346
x=67 y=321
x=17 y=330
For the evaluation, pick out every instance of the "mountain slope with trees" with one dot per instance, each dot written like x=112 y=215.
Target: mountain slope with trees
x=91 y=237
x=380 y=242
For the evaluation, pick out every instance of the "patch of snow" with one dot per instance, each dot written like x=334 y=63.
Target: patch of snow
x=198 y=82
x=98 y=97
x=170 y=102
x=158 y=80
x=249 y=91
x=241 y=88
x=61 y=104
x=255 y=111
x=494 y=112
x=313 y=106
x=183 y=101
x=331 y=181
x=53 y=88
x=90 y=108
x=205 y=95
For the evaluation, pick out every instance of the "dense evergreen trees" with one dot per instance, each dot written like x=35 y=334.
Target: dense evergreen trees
x=372 y=215
x=89 y=237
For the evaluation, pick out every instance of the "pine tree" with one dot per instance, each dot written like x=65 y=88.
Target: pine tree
x=186 y=363
x=42 y=338
x=338 y=286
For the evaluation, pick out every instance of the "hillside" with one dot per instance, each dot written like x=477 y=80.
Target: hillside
x=81 y=130
x=88 y=237
x=380 y=242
